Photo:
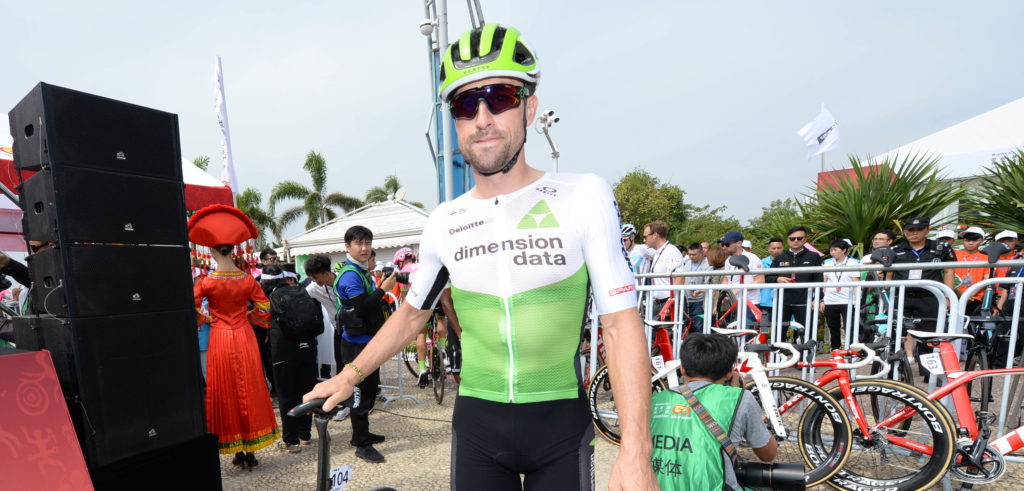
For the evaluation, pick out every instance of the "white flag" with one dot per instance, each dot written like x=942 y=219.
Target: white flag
x=227 y=173
x=820 y=135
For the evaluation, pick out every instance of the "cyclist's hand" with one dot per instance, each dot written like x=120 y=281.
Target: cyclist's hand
x=334 y=389
x=632 y=473
x=821 y=307
x=783 y=279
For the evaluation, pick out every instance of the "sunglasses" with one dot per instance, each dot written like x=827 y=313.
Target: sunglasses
x=498 y=97
x=794 y=239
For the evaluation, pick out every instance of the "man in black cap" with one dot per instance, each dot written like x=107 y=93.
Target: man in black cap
x=918 y=302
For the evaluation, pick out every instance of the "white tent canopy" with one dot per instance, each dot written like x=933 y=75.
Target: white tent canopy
x=394 y=223
x=967 y=147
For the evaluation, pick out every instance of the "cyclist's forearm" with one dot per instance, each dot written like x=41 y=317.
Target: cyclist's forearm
x=393 y=336
x=630 y=369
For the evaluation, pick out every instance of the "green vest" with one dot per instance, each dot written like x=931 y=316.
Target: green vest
x=367 y=285
x=686 y=455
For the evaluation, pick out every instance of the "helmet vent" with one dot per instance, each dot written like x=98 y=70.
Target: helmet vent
x=522 y=54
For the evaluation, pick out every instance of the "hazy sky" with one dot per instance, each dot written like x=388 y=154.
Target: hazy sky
x=706 y=95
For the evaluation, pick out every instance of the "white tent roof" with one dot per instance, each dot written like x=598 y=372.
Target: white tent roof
x=966 y=147
x=395 y=223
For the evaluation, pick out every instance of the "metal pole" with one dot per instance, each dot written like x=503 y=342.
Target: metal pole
x=446 y=117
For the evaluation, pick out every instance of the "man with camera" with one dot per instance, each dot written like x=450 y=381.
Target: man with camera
x=687 y=453
x=360 y=316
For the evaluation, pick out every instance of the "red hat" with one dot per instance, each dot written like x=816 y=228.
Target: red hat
x=219 y=224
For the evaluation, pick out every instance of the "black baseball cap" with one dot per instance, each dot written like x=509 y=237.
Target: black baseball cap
x=919 y=222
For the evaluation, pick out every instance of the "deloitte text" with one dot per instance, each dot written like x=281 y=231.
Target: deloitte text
x=535 y=251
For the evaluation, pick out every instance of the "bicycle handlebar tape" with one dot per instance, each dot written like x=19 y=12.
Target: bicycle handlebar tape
x=808 y=346
x=315 y=406
x=877 y=345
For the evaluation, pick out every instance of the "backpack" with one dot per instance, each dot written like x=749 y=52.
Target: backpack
x=298 y=315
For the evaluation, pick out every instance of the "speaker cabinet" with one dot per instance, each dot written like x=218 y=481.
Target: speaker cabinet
x=95 y=206
x=54 y=126
x=87 y=280
x=132 y=382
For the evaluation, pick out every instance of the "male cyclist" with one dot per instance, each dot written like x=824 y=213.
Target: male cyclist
x=520 y=249
x=637 y=252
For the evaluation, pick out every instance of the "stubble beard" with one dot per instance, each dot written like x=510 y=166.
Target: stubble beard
x=487 y=162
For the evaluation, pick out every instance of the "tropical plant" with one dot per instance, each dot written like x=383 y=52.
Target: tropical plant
x=202 y=161
x=704 y=224
x=249 y=202
x=868 y=198
x=391 y=186
x=316 y=203
x=998 y=199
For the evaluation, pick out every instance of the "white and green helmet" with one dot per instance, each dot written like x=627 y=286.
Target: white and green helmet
x=485 y=52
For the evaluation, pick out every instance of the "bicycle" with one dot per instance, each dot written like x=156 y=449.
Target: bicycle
x=902 y=439
x=600 y=399
x=781 y=420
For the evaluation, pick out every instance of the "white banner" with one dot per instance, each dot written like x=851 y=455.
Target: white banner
x=820 y=135
x=227 y=173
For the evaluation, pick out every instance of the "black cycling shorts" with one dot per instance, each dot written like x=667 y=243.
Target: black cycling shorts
x=550 y=443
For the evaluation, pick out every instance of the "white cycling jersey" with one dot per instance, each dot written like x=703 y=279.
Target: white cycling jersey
x=519 y=266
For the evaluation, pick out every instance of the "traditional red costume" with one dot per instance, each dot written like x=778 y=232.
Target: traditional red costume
x=238 y=406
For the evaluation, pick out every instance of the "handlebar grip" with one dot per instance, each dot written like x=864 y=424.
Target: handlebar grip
x=758 y=348
x=877 y=345
x=808 y=346
x=793 y=357
x=315 y=406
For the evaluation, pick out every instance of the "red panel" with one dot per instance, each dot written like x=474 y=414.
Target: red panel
x=38 y=445
x=9 y=175
x=197 y=197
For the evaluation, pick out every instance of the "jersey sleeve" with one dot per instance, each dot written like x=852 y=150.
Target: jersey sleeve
x=432 y=275
x=607 y=261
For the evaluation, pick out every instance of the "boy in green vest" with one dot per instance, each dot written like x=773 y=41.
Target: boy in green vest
x=686 y=454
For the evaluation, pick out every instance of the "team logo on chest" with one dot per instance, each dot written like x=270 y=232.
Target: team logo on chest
x=539 y=216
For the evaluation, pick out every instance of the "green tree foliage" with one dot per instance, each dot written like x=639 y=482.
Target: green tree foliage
x=202 y=161
x=875 y=197
x=998 y=200
x=316 y=203
x=643 y=199
x=775 y=220
x=391 y=186
x=704 y=224
x=249 y=201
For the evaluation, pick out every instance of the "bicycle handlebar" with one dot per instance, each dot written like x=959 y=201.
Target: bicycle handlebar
x=315 y=406
x=865 y=360
x=654 y=323
x=794 y=357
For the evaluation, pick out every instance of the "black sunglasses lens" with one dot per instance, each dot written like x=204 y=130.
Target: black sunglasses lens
x=499 y=98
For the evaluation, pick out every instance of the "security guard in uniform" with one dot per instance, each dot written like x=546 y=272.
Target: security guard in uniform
x=918 y=302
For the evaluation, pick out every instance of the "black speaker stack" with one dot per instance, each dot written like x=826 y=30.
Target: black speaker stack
x=112 y=298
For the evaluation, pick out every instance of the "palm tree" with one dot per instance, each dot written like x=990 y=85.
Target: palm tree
x=248 y=201
x=316 y=204
x=202 y=161
x=998 y=201
x=875 y=197
x=391 y=186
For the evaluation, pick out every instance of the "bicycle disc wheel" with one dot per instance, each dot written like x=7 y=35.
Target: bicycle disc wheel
x=437 y=372
x=602 y=405
x=830 y=436
x=897 y=455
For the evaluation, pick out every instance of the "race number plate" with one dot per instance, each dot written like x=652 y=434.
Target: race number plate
x=339 y=477
x=933 y=363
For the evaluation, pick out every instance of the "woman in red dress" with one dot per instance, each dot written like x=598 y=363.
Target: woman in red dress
x=238 y=406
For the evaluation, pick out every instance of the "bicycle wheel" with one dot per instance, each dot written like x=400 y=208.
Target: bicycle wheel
x=437 y=371
x=980 y=389
x=898 y=455
x=602 y=405
x=831 y=436
x=409 y=359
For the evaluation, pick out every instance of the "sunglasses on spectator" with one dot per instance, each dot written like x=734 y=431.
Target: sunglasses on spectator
x=498 y=97
x=794 y=239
